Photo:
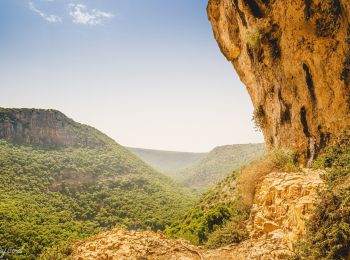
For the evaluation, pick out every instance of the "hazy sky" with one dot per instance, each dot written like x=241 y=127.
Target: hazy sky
x=147 y=73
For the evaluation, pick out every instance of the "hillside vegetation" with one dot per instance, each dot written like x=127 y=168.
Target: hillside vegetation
x=167 y=162
x=328 y=231
x=219 y=163
x=50 y=196
x=219 y=217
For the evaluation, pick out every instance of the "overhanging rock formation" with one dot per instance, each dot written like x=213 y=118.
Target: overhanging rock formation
x=294 y=58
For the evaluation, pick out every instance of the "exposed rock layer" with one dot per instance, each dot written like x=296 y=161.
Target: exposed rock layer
x=294 y=58
x=283 y=202
x=120 y=244
x=44 y=127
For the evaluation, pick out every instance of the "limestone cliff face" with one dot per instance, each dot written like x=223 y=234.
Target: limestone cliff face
x=294 y=58
x=44 y=127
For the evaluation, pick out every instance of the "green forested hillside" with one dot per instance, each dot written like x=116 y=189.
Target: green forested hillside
x=219 y=163
x=50 y=196
x=219 y=218
x=167 y=162
x=219 y=213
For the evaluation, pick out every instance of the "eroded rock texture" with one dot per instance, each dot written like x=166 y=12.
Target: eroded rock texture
x=294 y=58
x=283 y=203
x=45 y=127
x=120 y=244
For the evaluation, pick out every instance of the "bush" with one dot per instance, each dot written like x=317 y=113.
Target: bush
x=250 y=176
x=58 y=252
x=253 y=37
x=258 y=118
x=231 y=232
x=198 y=224
x=328 y=230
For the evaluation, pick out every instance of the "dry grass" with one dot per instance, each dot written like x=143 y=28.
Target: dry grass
x=250 y=175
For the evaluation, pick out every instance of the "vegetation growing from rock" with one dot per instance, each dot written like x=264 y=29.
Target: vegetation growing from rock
x=218 y=219
x=328 y=231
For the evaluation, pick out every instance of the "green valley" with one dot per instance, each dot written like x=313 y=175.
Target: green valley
x=73 y=182
x=168 y=162
x=219 y=163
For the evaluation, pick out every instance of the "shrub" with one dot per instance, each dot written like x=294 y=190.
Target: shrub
x=58 y=252
x=231 y=232
x=328 y=230
x=259 y=118
x=253 y=37
x=250 y=176
x=199 y=223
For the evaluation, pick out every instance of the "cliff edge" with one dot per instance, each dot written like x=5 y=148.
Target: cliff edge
x=47 y=128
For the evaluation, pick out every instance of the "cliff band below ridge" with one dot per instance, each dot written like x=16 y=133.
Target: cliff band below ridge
x=294 y=58
x=46 y=128
x=283 y=202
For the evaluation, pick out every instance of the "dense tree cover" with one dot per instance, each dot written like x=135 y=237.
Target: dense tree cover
x=328 y=231
x=216 y=220
x=50 y=197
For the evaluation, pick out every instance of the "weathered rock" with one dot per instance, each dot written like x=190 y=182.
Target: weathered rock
x=45 y=127
x=120 y=244
x=294 y=58
x=283 y=202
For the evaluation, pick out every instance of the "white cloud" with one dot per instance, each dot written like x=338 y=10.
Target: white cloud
x=81 y=15
x=48 y=17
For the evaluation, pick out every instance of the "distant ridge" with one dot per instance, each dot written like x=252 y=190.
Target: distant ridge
x=198 y=171
x=219 y=163
x=167 y=161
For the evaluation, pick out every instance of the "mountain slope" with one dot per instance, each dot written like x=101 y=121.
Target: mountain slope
x=167 y=161
x=220 y=162
x=62 y=180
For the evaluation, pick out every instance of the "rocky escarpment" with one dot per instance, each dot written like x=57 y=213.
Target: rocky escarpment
x=283 y=202
x=46 y=128
x=294 y=58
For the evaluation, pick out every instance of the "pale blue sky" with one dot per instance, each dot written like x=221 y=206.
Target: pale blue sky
x=147 y=73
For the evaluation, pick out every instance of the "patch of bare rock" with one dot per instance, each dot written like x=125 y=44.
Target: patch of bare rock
x=283 y=202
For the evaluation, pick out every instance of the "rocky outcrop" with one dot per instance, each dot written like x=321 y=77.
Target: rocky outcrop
x=44 y=128
x=283 y=202
x=294 y=58
x=120 y=244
